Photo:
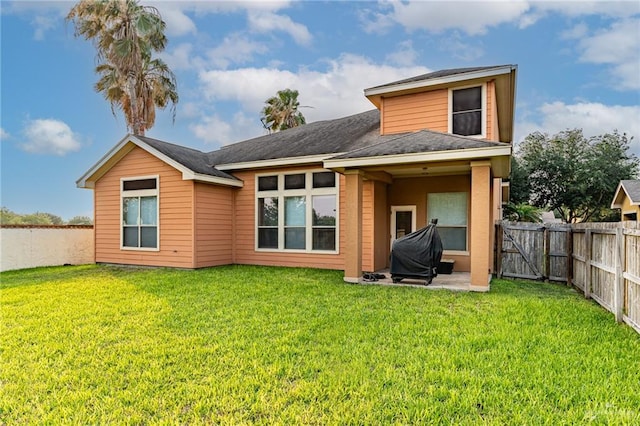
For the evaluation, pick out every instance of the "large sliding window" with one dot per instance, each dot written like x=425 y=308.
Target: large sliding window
x=450 y=208
x=297 y=211
x=139 y=201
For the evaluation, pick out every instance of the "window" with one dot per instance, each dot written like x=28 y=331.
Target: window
x=140 y=213
x=450 y=208
x=467 y=118
x=297 y=211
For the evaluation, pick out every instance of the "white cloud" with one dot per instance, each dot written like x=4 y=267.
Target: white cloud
x=4 y=135
x=470 y=17
x=618 y=46
x=234 y=49
x=267 y=21
x=214 y=130
x=182 y=58
x=466 y=51
x=178 y=23
x=334 y=92
x=43 y=15
x=42 y=24
x=476 y=17
x=593 y=118
x=404 y=55
x=49 y=136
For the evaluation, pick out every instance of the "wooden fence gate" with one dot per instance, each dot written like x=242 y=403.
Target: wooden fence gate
x=533 y=251
x=600 y=259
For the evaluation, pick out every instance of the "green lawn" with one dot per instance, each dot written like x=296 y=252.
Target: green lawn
x=247 y=345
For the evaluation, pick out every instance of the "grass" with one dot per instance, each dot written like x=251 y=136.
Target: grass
x=258 y=345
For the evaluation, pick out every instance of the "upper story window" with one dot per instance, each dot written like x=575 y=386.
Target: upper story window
x=467 y=111
x=297 y=211
x=139 y=201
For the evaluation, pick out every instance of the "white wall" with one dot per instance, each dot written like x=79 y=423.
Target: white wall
x=32 y=246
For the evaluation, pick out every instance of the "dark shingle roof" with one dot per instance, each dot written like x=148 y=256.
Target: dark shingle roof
x=438 y=74
x=190 y=158
x=632 y=188
x=415 y=142
x=321 y=137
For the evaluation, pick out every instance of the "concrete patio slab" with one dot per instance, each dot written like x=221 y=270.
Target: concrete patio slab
x=456 y=281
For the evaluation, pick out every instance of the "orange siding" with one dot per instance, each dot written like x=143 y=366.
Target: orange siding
x=382 y=227
x=368 y=226
x=413 y=191
x=176 y=199
x=417 y=111
x=375 y=226
x=245 y=231
x=213 y=225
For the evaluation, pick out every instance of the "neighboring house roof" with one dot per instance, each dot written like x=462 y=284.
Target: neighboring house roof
x=628 y=188
x=192 y=163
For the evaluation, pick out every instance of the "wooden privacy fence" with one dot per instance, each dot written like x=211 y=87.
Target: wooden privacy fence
x=601 y=259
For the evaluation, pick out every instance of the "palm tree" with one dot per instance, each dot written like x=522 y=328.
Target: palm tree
x=281 y=111
x=155 y=86
x=523 y=212
x=125 y=35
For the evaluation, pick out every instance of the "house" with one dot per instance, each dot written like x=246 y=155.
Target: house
x=627 y=199
x=331 y=194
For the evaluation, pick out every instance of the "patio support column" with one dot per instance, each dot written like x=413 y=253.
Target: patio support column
x=481 y=228
x=353 y=226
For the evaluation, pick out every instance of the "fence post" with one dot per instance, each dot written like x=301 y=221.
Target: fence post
x=618 y=295
x=587 y=264
x=546 y=234
x=569 y=242
x=499 y=239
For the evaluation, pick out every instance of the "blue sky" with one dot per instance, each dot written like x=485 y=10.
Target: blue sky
x=579 y=66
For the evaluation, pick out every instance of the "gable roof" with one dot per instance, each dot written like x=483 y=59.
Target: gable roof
x=344 y=142
x=450 y=75
x=628 y=188
x=309 y=143
x=192 y=163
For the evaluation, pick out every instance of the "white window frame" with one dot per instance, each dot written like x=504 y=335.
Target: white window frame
x=140 y=193
x=308 y=192
x=483 y=104
x=394 y=210
x=454 y=252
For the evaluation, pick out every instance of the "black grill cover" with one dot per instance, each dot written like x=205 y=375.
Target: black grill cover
x=416 y=255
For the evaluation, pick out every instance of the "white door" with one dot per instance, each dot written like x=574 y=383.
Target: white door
x=403 y=221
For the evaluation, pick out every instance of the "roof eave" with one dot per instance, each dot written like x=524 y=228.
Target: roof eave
x=103 y=165
x=438 y=81
x=276 y=162
x=419 y=157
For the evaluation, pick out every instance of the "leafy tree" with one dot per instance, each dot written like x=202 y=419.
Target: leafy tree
x=281 y=111
x=125 y=35
x=574 y=175
x=518 y=186
x=7 y=217
x=80 y=220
